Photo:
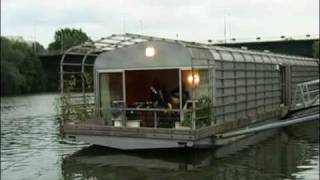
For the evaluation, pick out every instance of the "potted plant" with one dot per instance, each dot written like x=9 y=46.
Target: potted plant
x=203 y=113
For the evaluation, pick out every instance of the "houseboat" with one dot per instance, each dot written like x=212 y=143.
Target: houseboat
x=148 y=92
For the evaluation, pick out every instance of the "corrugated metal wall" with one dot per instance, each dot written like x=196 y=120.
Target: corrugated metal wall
x=249 y=85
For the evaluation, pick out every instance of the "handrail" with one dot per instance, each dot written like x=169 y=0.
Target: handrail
x=304 y=95
x=269 y=126
x=146 y=109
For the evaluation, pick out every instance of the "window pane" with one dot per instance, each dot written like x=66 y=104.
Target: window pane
x=111 y=94
x=202 y=98
x=200 y=82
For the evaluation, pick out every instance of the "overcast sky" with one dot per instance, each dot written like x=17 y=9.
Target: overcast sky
x=191 y=19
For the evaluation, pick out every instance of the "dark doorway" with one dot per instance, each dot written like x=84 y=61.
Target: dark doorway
x=284 y=82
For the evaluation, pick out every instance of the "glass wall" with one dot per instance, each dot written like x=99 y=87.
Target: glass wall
x=198 y=86
x=199 y=80
x=111 y=95
x=196 y=97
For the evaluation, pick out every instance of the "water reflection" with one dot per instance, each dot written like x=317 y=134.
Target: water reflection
x=32 y=149
x=268 y=155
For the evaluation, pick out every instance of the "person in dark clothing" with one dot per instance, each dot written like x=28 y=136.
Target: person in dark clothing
x=158 y=95
x=159 y=98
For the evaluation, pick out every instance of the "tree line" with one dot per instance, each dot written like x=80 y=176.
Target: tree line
x=21 y=69
x=316 y=49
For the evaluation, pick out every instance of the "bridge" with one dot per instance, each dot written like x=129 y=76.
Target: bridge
x=302 y=47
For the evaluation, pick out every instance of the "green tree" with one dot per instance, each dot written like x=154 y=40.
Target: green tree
x=21 y=69
x=316 y=49
x=66 y=38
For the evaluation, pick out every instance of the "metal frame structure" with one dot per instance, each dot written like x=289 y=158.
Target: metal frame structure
x=92 y=49
x=241 y=82
x=199 y=52
x=87 y=50
x=110 y=43
x=117 y=41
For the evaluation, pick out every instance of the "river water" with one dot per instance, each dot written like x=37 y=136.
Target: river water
x=32 y=149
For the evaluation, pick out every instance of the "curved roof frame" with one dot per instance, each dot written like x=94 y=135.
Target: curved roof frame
x=117 y=41
x=92 y=48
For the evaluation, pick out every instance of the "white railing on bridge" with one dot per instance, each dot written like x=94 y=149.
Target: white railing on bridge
x=306 y=94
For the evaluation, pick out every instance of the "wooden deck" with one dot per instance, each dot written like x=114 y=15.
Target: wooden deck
x=147 y=137
x=141 y=132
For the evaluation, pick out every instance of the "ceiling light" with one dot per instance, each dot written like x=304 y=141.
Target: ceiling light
x=150 y=52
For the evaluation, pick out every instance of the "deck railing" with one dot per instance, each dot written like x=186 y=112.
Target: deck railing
x=141 y=117
x=187 y=118
x=77 y=109
x=133 y=117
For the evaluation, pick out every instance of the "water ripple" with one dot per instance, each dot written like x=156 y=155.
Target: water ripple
x=31 y=148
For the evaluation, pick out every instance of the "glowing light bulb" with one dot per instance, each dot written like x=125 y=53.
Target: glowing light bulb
x=150 y=52
x=193 y=79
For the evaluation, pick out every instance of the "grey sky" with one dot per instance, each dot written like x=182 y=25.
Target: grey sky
x=191 y=19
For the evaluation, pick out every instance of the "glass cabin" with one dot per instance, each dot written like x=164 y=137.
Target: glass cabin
x=153 y=84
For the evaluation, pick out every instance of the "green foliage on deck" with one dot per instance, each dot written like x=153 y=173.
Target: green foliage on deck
x=202 y=113
x=75 y=110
